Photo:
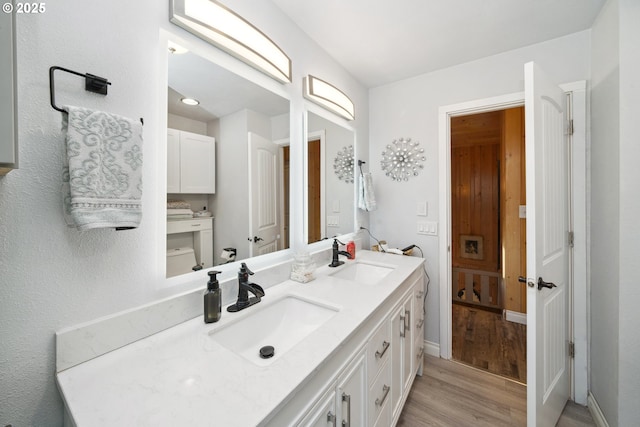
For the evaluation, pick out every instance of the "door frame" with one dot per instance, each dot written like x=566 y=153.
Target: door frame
x=579 y=203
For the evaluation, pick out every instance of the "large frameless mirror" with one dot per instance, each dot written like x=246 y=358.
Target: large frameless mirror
x=227 y=166
x=330 y=179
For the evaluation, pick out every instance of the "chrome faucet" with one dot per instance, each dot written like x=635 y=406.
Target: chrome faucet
x=244 y=287
x=334 y=259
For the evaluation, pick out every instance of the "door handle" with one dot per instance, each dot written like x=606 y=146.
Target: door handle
x=543 y=284
x=524 y=280
x=255 y=239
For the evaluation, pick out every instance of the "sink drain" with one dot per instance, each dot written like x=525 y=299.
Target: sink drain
x=267 y=351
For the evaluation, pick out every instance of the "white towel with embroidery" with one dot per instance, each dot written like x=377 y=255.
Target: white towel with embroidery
x=366 y=198
x=102 y=171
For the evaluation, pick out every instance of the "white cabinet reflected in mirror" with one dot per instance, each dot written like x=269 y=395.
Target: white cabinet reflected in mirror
x=227 y=162
x=330 y=184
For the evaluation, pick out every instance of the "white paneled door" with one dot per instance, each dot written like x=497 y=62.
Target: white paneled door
x=263 y=195
x=548 y=286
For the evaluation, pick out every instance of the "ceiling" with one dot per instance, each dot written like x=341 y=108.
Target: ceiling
x=219 y=91
x=382 y=41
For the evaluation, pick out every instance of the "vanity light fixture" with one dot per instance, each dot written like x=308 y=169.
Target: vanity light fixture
x=328 y=96
x=402 y=159
x=190 y=101
x=216 y=24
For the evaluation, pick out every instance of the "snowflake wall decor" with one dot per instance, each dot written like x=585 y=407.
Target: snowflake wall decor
x=343 y=164
x=402 y=159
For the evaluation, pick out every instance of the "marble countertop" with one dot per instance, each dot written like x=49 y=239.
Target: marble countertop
x=182 y=376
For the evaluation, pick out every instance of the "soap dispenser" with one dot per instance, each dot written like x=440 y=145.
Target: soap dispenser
x=212 y=299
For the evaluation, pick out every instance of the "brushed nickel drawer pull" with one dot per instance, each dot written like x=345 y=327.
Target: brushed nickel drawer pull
x=347 y=398
x=404 y=325
x=385 y=391
x=331 y=418
x=385 y=346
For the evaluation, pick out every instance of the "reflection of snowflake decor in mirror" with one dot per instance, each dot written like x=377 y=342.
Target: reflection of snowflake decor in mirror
x=402 y=159
x=343 y=164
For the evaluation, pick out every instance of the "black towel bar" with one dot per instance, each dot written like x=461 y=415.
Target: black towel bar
x=92 y=83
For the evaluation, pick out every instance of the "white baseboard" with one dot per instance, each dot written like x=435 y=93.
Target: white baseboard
x=596 y=412
x=432 y=348
x=514 y=316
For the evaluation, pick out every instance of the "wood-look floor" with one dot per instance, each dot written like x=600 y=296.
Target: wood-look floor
x=450 y=394
x=485 y=340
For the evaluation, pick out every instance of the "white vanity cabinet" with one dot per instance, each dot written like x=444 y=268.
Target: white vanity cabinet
x=191 y=160
x=375 y=369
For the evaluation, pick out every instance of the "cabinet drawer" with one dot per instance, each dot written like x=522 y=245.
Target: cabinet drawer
x=188 y=225
x=380 y=396
x=378 y=351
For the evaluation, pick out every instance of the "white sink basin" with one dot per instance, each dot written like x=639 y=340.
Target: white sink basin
x=282 y=324
x=363 y=272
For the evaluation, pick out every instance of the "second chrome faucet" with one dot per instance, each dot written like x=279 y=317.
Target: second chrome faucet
x=244 y=287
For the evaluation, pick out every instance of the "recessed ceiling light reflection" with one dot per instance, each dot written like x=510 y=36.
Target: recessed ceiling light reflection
x=190 y=101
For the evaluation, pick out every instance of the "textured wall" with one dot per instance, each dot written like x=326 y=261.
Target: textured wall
x=52 y=277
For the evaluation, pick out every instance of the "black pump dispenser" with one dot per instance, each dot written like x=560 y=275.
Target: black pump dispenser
x=212 y=299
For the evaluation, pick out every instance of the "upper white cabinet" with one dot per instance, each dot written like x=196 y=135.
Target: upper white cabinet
x=8 y=137
x=191 y=160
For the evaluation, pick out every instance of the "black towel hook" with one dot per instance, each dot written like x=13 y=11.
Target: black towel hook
x=92 y=83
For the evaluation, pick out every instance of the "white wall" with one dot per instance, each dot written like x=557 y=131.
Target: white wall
x=629 y=293
x=184 y=123
x=409 y=108
x=52 y=277
x=605 y=210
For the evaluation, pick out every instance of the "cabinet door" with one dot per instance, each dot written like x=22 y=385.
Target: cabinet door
x=351 y=395
x=418 y=332
x=173 y=161
x=407 y=344
x=197 y=163
x=323 y=413
x=397 y=341
x=402 y=353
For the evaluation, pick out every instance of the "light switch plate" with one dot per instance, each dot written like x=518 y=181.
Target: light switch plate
x=429 y=228
x=333 y=221
x=421 y=209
